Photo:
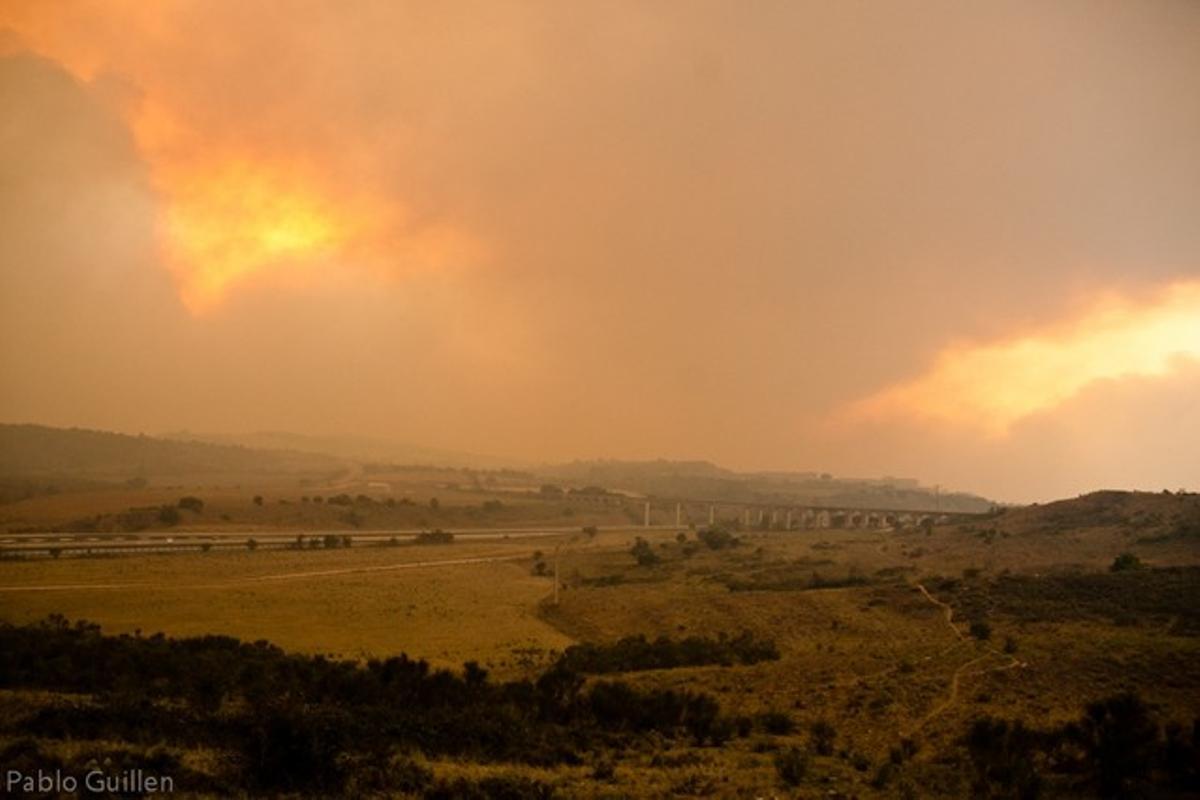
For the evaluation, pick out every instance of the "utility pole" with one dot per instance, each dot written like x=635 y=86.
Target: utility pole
x=646 y=524
x=712 y=515
x=678 y=514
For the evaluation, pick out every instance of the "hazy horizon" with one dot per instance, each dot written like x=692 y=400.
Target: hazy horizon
x=949 y=242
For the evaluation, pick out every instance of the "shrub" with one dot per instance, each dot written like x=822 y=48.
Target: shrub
x=822 y=734
x=1125 y=562
x=190 y=503
x=644 y=553
x=1118 y=737
x=981 y=630
x=716 y=538
x=791 y=766
x=1002 y=755
x=296 y=749
x=634 y=653
x=776 y=723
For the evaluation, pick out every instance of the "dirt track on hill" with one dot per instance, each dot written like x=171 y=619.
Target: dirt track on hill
x=963 y=670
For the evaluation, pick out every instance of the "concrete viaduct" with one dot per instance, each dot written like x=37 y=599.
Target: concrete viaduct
x=786 y=517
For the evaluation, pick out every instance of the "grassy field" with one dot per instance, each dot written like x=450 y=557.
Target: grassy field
x=874 y=630
x=353 y=603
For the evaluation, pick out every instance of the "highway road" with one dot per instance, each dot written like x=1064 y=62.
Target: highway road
x=67 y=542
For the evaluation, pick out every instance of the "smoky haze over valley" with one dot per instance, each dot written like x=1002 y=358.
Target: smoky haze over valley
x=949 y=241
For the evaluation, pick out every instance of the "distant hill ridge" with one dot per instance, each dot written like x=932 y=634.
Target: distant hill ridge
x=38 y=450
x=41 y=451
x=365 y=449
x=704 y=480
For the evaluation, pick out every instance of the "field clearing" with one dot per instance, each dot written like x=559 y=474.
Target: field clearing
x=448 y=614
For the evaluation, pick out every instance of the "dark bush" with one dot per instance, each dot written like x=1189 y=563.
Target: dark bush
x=1002 y=755
x=1118 y=738
x=190 y=503
x=635 y=653
x=1125 y=562
x=776 y=723
x=716 y=538
x=644 y=553
x=791 y=766
x=981 y=630
x=822 y=735
x=508 y=787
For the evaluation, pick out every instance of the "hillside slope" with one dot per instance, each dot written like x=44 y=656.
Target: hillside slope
x=36 y=451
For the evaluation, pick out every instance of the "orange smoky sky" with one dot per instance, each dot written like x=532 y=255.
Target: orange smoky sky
x=994 y=385
x=963 y=233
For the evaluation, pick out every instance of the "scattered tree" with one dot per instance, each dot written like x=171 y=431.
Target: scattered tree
x=1125 y=562
x=644 y=553
x=190 y=503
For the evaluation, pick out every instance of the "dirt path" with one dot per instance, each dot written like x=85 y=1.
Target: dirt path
x=280 y=576
x=964 y=669
x=947 y=612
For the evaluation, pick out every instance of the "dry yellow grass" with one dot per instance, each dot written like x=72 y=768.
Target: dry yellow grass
x=448 y=614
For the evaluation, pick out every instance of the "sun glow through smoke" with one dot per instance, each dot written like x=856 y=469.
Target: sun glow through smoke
x=233 y=210
x=224 y=224
x=991 y=387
